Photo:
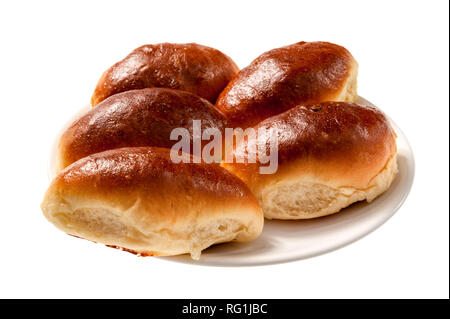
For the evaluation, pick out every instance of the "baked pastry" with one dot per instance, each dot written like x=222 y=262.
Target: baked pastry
x=330 y=155
x=301 y=73
x=190 y=67
x=136 y=118
x=139 y=200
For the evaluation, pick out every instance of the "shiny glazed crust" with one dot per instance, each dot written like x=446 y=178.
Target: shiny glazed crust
x=323 y=150
x=138 y=199
x=191 y=67
x=136 y=118
x=301 y=73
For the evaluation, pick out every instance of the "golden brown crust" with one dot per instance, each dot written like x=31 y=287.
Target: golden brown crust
x=151 y=171
x=191 y=67
x=301 y=73
x=336 y=145
x=136 y=118
x=337 y=141
x=137 y=198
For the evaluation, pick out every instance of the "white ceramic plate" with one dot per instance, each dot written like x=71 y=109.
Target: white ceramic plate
x=284 y=241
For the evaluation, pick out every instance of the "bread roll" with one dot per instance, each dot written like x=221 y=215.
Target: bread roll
x=136 y=118
x=139 y=200
x=302 y=73
x=190 y=67
x=330 y=155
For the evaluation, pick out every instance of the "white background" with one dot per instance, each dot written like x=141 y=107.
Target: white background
x=51 y=57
